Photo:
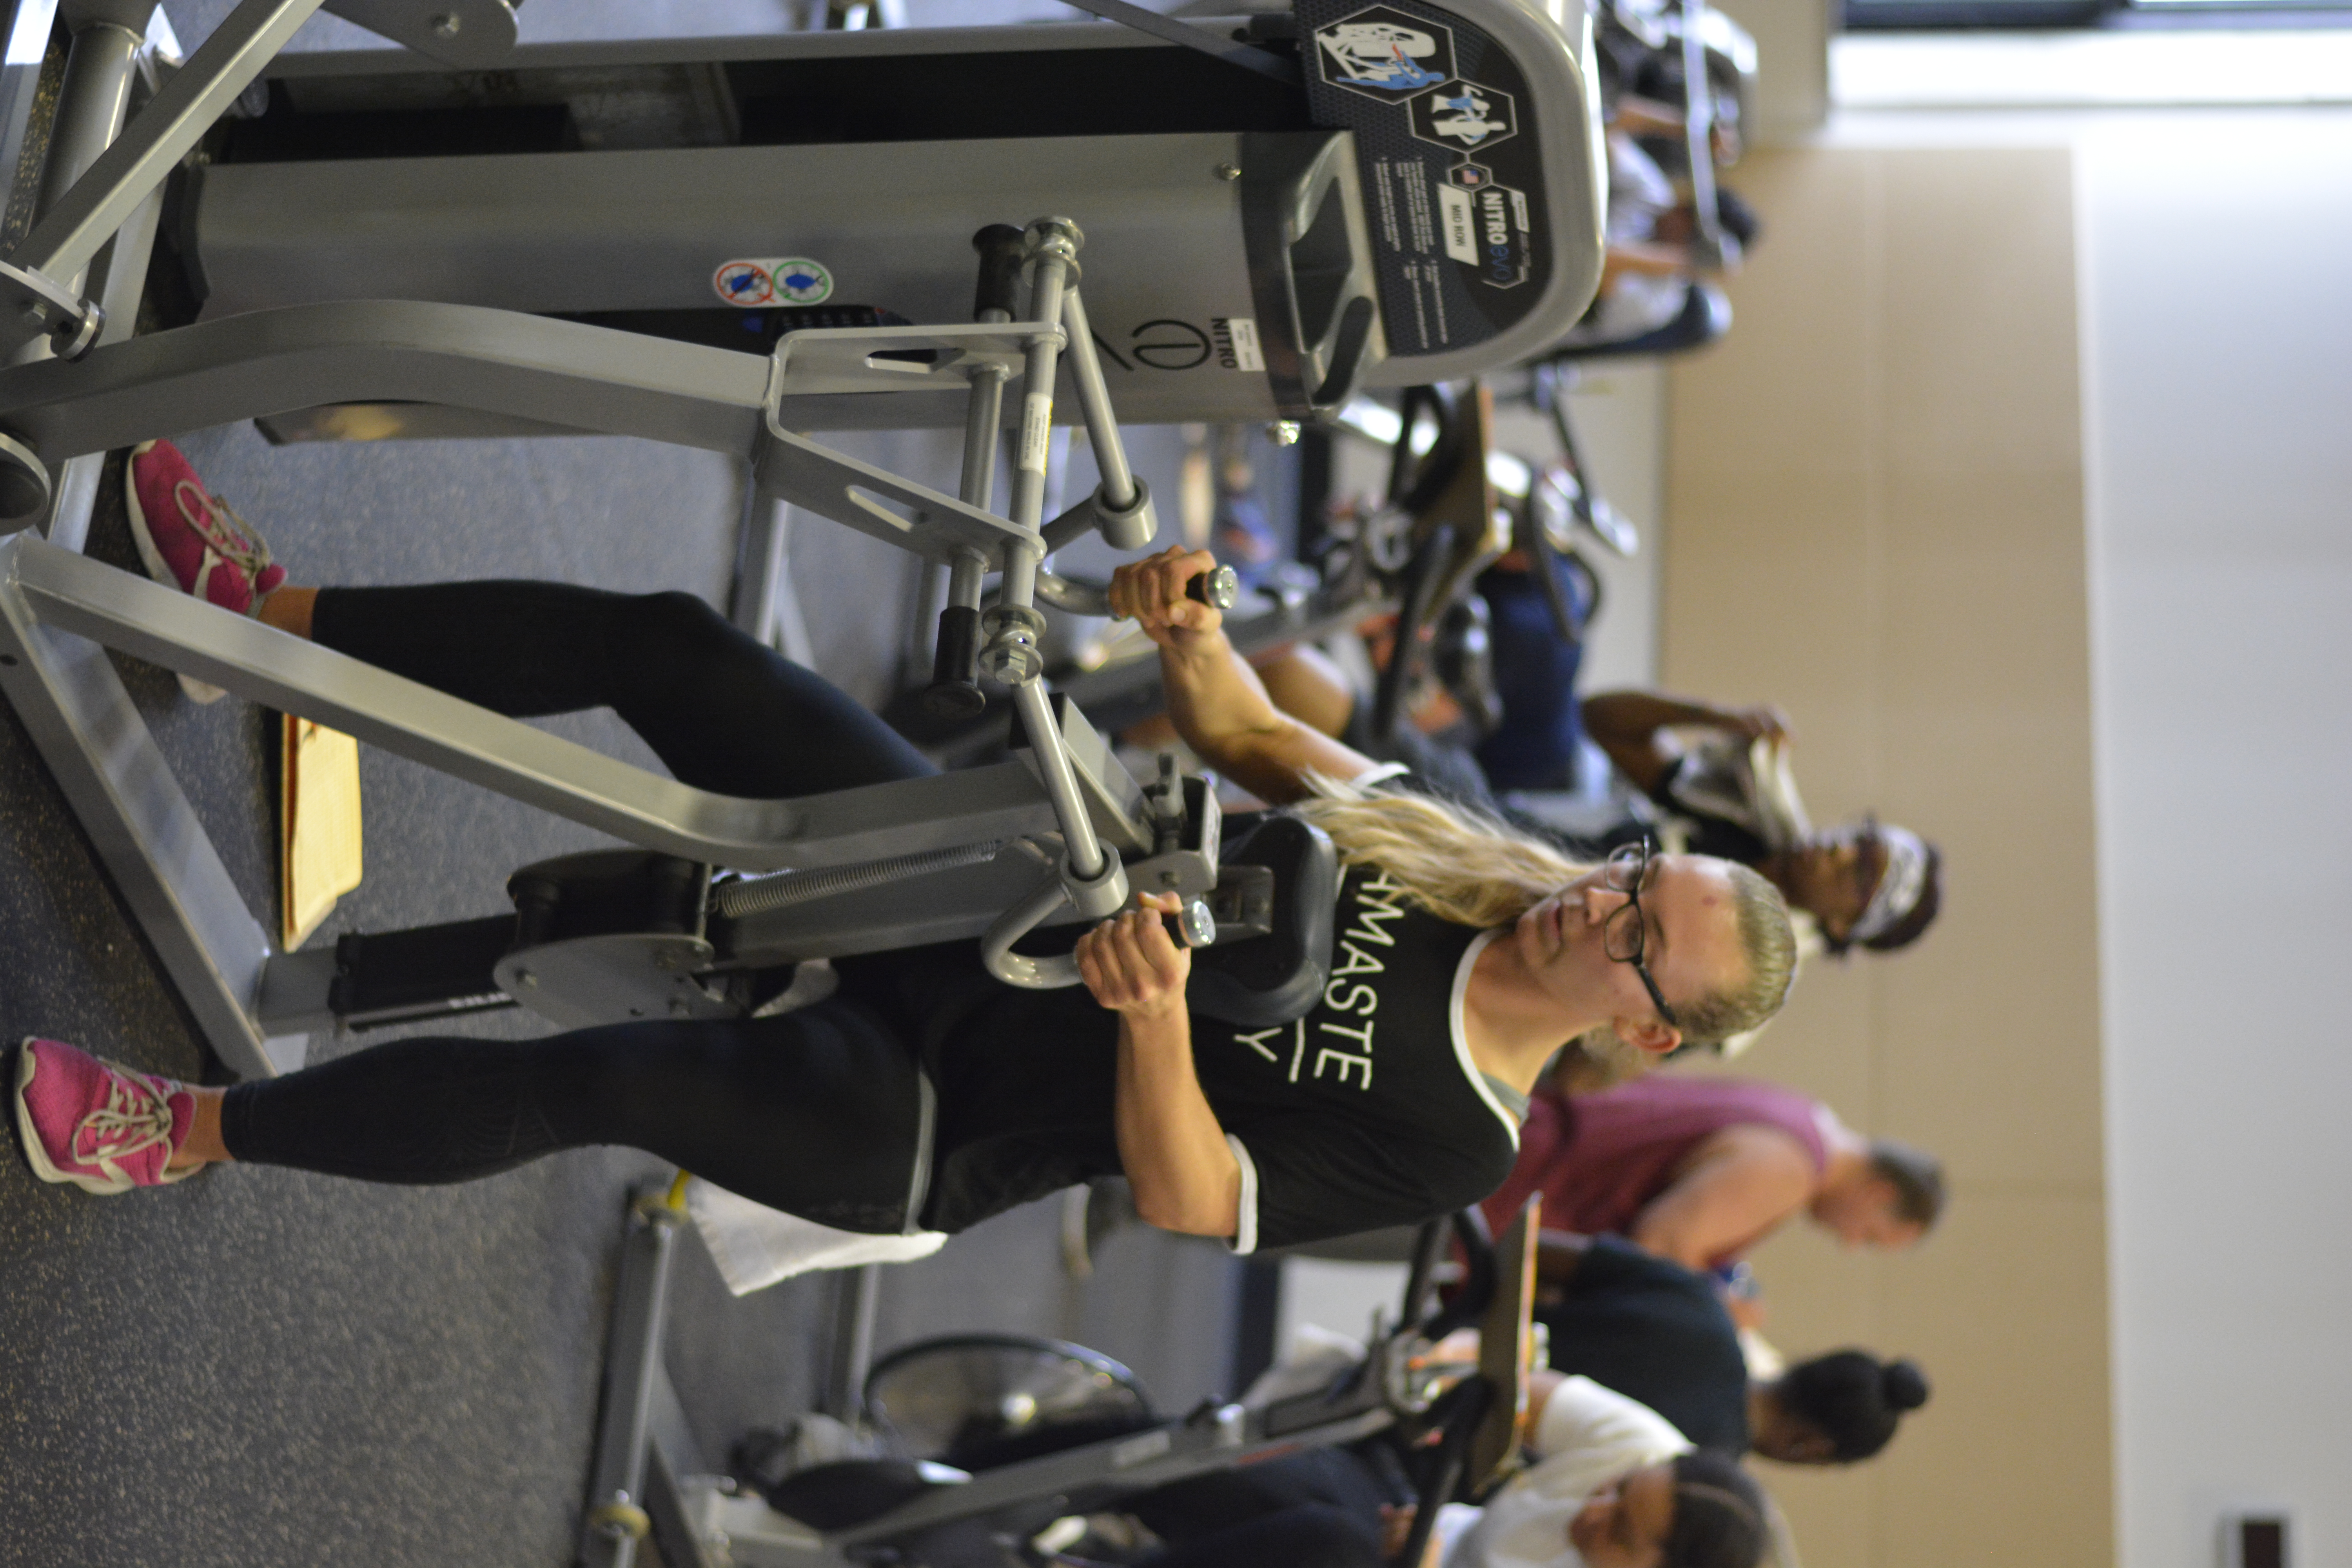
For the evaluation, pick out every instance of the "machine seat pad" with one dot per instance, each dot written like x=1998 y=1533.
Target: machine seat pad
x=848 y=1492
x=1273 y=979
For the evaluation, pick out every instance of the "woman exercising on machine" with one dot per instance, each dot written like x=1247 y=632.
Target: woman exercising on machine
x=924 y=1095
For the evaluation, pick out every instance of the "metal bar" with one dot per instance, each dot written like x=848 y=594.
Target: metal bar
x=584 y=378
x=92 y=104
x=1094 y=402
x=860 y=1298
x=66 y=592
x=983 y=417
x=1048 y=972
x=1035 y=706
x=956 y=904
x=63 y=242
x=640 y=1306
x=1246 y=56
x=24 y=42
x=472 y=35
x=89 y=732
x=1125 y=1465
x=120 y=277
x=874 y=501
x=1051 y=272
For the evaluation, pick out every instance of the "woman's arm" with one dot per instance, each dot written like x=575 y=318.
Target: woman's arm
x=1630 y=727
x=1658 y=258
x=1746 y=1181
x=1218 y=703
x=1175 y=1154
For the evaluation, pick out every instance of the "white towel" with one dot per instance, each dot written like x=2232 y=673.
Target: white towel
x=755 y=1245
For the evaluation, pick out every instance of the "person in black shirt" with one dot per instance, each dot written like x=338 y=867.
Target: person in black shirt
x=1658 y=1333
x=920 y=1096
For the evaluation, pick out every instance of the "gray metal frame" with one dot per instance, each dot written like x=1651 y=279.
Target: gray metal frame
x=647 y=1477
x=59 y=610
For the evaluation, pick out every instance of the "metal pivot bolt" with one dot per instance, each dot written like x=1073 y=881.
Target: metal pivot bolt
x=620 y=1519
x=72 y=322
x=1011 y=656
x=1226 y=171
x=446 y=24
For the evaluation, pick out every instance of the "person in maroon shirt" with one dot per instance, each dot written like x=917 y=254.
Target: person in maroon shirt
x=1700 y=1169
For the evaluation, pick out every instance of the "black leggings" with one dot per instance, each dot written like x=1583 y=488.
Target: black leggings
x=816 y=1112
x=721 y=711
x=1312 y=1535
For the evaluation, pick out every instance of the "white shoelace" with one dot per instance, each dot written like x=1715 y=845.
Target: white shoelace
x=225 y=534
x=134 y=1116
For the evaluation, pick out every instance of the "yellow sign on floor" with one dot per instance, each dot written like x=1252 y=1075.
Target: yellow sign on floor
x=318 y=824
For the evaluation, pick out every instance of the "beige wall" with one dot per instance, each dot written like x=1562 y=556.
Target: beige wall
x=1874 y=517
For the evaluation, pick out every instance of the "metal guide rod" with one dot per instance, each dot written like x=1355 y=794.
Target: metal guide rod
x=955 y=687
x=1055 y=250
x=62 y=242
x=92 y=108
x=1036 y=707
x=614 y=1519
x=1094 y=402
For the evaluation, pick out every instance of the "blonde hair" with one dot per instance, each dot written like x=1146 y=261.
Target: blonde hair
x=1459 y=864
x=1471 y=867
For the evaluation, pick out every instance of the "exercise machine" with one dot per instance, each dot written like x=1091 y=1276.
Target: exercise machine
x=719 y=891
x=650 y=1479
x=1277 y=219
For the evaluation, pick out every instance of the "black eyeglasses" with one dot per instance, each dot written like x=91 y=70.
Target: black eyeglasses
x=1628 y=870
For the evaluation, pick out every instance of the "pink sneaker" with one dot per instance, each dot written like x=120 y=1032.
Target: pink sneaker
x=104 y=1128
x=191 y=540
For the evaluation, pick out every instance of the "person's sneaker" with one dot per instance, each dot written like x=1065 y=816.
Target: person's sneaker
x=191 y=540
x=104 y=1128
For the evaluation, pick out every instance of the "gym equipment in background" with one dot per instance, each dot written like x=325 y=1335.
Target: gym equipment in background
x=1051 y=1433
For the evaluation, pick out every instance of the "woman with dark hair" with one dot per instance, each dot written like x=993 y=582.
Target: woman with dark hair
x=1658 y=1333
x=923 y=1097
x=1612 y=1485
x=1615 y=1487
x=1721 y=775
x=1833 y=1409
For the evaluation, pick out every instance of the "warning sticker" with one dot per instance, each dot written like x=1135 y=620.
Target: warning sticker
x=1383 y=51
x=1461 y=242
x=1451 y=160
x=773 y=281
x=1462 y=114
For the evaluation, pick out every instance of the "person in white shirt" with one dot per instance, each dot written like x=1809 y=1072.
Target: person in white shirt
x=1614 y=1486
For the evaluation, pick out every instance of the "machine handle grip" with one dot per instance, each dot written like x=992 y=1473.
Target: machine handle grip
x=1221 y=587
x=1000 y=247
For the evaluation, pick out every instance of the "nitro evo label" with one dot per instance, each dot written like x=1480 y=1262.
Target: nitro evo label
x=1235 y=337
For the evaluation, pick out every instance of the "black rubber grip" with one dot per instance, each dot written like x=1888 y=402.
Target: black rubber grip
x=954 y=692
x=999 y=246
x=956 y=656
